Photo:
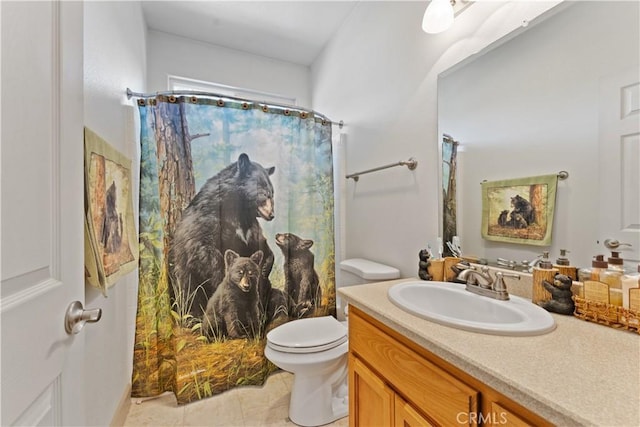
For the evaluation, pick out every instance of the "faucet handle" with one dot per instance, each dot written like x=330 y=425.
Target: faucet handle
x=487 y=277
x=499 y=285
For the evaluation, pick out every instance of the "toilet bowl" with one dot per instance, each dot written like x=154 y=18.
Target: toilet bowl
x=318 y=361
x=315 y=351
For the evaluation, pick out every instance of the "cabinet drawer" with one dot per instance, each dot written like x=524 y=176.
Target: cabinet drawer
x=427 y=387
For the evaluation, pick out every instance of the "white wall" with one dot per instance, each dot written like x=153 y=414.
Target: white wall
x=379 y=75
x=114 y=59
x=172 y=55
x=530 y=107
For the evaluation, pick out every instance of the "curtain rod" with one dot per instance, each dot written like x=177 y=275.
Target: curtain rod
x=562 y=175
x=131 y=94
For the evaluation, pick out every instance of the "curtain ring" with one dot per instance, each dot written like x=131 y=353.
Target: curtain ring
x=265 y=109
x=245 y=106
x=287 y=112
x=194 y=100
x=220 y=103
x=141 y=102
x=324 y=122
x=304 y=115
x=172 y=99
x=153 y=101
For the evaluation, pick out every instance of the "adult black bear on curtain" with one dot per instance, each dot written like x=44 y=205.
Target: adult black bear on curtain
x=222 y=216
x=301 y=283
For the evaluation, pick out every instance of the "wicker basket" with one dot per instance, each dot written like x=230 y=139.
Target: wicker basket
x=607 y=314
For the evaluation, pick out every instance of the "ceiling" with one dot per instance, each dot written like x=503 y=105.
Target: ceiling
x=293 y=31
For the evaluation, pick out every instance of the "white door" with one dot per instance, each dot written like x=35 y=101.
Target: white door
x=619 y=140
x=42 y=212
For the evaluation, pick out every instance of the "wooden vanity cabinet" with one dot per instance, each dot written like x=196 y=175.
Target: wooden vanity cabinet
x=395 y=382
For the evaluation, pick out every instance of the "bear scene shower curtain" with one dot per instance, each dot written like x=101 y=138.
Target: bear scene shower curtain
x=236 y=238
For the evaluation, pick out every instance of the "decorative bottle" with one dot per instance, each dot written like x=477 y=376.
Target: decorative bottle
x=630 y=281
x=612 y=276
x=598 y=265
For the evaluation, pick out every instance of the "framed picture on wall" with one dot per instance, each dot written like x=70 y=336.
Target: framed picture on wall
x=519 y=210
x=110 y=236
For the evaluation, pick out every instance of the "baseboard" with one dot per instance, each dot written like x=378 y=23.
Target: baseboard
x=122 y=409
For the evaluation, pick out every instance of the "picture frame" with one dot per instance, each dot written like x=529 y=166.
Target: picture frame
x=519 y=210
x=111 y=249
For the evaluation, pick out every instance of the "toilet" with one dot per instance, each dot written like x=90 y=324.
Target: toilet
x=315 y=351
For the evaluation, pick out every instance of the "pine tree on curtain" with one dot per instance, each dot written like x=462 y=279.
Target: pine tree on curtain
x=236 y=238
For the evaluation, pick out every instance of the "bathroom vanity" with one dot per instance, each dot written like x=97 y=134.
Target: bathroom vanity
x=408 y=371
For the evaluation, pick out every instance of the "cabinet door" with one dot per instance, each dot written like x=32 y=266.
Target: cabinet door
x=501 y=416
x=407 y=416
x=370 y=399
x=440 y=395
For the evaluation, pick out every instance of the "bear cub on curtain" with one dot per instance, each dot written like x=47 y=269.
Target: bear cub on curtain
x=223 y=215
x=233 y=310
x=301 y=283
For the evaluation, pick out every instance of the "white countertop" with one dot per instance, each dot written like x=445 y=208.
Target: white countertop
x=579 y=374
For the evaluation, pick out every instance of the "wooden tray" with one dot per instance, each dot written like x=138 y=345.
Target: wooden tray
x=606 y=314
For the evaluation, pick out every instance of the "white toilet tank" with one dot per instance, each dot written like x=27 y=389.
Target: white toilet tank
x=358 y=271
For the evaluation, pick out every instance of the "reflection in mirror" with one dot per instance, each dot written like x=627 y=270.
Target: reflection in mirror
x=449 y=166
x=544 y=102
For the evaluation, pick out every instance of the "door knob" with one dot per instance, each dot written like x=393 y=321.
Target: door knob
x=614 y=244
x=76 y=317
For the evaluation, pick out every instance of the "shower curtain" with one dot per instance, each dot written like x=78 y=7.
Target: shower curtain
x=236 y=238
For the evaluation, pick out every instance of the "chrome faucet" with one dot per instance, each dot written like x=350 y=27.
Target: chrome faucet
x=506 y=263
x=471 y=276
x=481 y=282
x=524 y=266
x=534 y=263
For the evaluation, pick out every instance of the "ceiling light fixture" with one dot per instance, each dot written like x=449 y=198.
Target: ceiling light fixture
x=438 y=16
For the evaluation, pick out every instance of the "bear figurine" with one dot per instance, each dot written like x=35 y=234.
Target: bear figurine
x=423 y=264
x=233 y=310
x=561 y=301
x=222 y=216
x=301 y=283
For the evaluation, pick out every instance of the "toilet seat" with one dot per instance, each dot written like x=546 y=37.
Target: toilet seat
x=308 y=335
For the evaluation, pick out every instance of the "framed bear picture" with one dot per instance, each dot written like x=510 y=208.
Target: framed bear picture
x=519 y=210
x=110 y=237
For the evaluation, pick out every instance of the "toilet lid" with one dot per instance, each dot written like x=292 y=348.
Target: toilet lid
x=369 y=270
x=307 y=335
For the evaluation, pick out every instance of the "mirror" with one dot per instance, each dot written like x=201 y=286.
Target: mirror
x=532 y=106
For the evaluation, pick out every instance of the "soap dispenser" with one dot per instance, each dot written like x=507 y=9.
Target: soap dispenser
x=612 y=276
x=598 y=265
x=543 y=272
x=629 y=282
x=564 y=265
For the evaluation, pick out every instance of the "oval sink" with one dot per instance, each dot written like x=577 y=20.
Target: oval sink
x=451 y=305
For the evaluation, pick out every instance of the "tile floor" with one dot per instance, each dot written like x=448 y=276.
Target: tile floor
x=240 y=407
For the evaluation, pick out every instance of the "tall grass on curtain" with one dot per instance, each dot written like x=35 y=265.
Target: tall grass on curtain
x=236 y=238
